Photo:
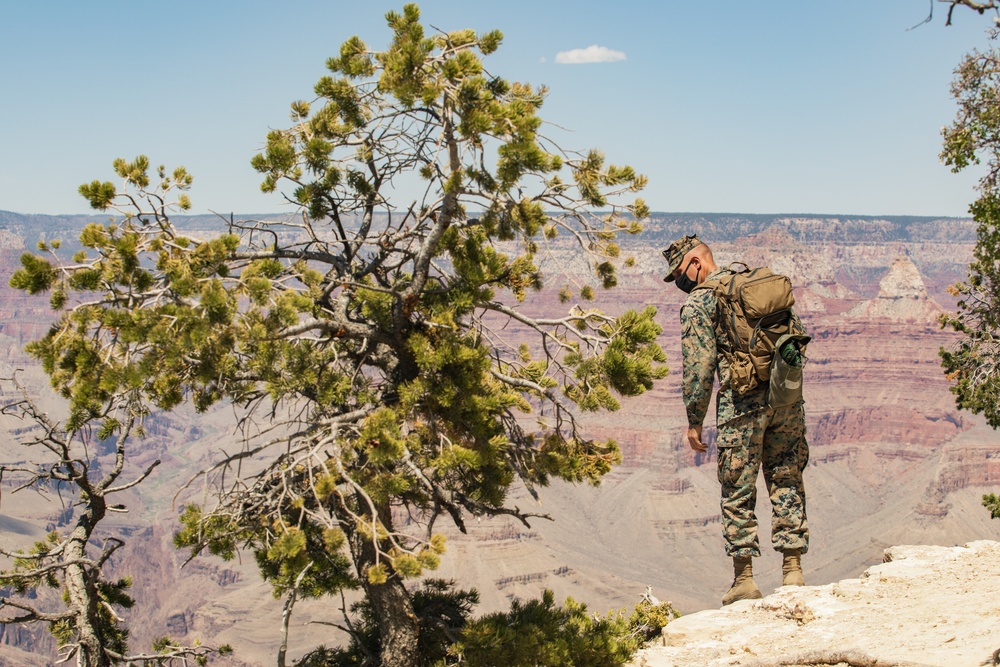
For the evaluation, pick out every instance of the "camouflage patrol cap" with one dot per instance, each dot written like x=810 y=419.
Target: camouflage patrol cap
x=675 y=253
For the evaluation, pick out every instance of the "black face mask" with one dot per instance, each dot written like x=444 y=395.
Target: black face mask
x=684 y=283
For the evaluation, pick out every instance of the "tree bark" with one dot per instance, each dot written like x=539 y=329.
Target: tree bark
x=397 y=624
x=81 y=589
x=390 y=602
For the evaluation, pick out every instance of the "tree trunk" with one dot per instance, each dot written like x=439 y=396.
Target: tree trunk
x=397 y=624
x=82 y=594
x=391 y=605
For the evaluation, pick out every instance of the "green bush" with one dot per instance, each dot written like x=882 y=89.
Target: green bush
x=536 y=632
x=992 y=503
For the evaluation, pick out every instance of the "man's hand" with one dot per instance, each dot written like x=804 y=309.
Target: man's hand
x=694 y=439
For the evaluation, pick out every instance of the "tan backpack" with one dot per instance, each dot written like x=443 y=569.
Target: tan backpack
x=755 y=309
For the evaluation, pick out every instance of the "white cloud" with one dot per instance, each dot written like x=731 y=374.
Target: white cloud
x=591 y=54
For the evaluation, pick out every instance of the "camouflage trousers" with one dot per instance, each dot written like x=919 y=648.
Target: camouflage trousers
x=775 y=440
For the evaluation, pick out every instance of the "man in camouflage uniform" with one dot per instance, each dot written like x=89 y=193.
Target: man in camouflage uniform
x=751 y=434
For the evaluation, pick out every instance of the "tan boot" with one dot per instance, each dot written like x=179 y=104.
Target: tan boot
x=743 y=587
x=791 y=568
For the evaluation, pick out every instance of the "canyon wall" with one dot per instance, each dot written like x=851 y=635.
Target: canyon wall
x=892 y=460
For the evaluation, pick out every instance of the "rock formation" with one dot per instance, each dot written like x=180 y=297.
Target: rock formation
x=901 y=296
x=892 y=460
x=923 y=606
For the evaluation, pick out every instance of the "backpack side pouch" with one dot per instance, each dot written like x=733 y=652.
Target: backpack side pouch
x=786 y=377
x=743 y=376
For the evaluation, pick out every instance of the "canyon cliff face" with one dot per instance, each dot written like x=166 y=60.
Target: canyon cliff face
x=892 y=460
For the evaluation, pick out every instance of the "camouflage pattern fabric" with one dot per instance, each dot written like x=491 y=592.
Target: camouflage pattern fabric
x=750 y=435
x=701 y=347
x=775 y=440
x=675 y=253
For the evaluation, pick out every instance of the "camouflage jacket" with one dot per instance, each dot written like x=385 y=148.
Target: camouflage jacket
x=703 y=358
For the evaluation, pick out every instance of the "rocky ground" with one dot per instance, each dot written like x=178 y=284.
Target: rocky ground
x=925 y=605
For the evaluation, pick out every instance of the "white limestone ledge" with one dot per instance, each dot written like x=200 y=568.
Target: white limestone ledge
x=924 y=605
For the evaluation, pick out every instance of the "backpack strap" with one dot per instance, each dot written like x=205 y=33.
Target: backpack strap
x=722 y=335
x=709 y=284
x=716 y=283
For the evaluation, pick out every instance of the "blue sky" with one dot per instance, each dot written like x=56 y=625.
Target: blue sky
x=753 y=107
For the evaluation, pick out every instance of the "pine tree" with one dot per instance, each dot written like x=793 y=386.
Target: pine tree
x=973 y=363
x=86 y=468
x=376 y=347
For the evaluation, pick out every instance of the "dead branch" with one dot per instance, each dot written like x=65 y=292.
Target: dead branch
x=980 y=7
